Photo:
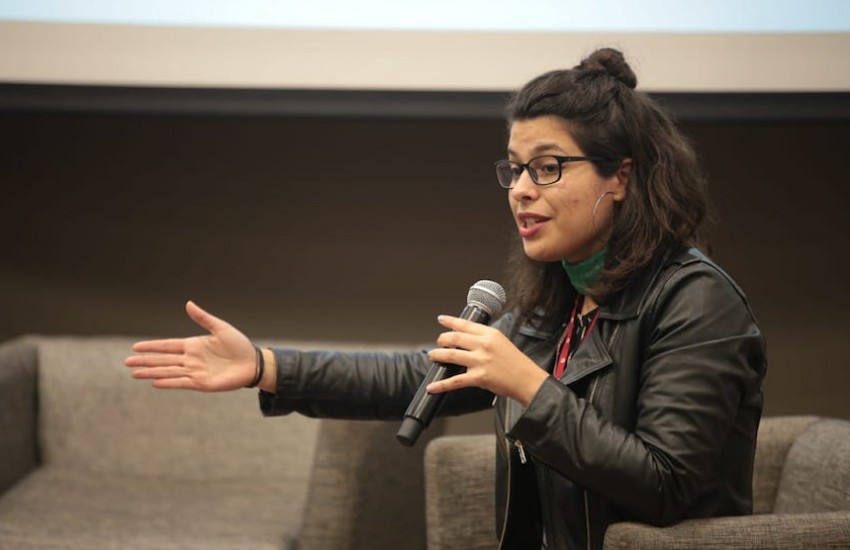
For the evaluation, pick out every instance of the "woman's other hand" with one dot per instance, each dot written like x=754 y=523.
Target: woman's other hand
x=492 y=361
x=224 y=360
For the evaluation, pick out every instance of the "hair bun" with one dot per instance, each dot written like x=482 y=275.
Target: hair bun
x=610 y=62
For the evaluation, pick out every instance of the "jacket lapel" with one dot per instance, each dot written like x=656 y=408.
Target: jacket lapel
x=590 y=357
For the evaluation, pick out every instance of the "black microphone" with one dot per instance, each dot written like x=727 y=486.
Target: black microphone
x=483 y=302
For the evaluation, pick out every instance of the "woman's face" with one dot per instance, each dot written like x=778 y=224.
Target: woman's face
x=557 y=222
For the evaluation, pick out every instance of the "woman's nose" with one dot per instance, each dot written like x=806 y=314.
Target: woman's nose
x=524 y=188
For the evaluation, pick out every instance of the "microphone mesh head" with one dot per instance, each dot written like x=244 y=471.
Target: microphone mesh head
x=488 y=295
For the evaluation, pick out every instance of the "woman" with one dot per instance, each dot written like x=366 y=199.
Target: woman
x=628 y=370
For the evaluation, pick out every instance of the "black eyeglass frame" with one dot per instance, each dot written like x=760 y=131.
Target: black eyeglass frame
x=533 y=173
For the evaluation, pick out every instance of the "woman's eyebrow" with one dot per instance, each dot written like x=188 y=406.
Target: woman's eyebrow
x=541 y=148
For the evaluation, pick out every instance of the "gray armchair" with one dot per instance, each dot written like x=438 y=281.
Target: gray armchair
x=801 y=495
x=90 y=458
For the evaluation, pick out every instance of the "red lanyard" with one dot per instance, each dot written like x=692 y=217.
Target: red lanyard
x=564 y=356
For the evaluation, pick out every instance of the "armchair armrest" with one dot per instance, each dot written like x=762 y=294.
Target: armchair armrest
x=768 y=531
x=460 y=492
x=775 y=437
x=366 y=489
x=18 y=410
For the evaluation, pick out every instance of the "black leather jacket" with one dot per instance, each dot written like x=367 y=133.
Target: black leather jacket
x=655 y=419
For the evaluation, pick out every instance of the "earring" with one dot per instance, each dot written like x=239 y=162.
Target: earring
x=593 y=215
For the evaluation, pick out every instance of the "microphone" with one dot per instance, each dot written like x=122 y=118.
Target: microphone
x=483 y=302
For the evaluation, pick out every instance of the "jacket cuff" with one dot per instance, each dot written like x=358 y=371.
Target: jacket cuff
x=533 y=424
x=275 y=404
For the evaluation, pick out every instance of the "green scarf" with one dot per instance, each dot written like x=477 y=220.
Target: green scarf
x=584 y=274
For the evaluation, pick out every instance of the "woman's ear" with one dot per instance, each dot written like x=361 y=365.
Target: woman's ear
x=621 y=179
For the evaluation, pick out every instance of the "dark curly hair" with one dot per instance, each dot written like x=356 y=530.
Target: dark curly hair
x=665 y=203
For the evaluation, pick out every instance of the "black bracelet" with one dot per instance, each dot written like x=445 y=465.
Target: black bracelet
x=261 y=368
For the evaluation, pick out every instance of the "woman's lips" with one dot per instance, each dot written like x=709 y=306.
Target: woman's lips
x=530 y=224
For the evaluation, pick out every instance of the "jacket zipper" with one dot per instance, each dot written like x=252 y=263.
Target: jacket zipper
x=590 y=402
x=522 y=457
x=508 y=495
x=586 y=500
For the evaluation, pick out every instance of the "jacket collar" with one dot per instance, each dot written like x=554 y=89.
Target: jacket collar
x=631 y=301
x=628 y=303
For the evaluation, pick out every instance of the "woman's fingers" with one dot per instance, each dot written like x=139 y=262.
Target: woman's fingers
x=454 y=356
x=156 y=373
x=464 y=334
x=171 y=345
x=177 y=384
x=456 y=382
x=465 y=345
x=460 y=325
x=455 y=339
x=206 y=320
x=158 y=360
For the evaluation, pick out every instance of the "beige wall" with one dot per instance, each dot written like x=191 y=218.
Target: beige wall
x=351 y=229
x=127 y=55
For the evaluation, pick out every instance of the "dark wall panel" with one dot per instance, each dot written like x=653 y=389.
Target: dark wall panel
x=355 y=228
x=303 y=228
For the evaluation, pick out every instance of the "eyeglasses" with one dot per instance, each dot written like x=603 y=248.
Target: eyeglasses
x=544 y=170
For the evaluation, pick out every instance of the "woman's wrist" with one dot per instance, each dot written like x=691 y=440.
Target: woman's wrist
x=268 y=381
x=531 y=386
x=259 y=368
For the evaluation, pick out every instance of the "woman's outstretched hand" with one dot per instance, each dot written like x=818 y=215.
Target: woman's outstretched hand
x=221 y=361
x=492 y=361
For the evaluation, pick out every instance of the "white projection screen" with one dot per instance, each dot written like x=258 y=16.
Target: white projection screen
x=456 y=46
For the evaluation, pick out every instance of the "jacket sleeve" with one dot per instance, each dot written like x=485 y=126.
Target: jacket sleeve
x=700 y=372
x=356 y=385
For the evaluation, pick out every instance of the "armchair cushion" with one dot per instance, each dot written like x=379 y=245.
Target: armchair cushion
x=816 y=476
x=775 y=437
x=57 y=508
x=460 y=493
x=762 y=531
